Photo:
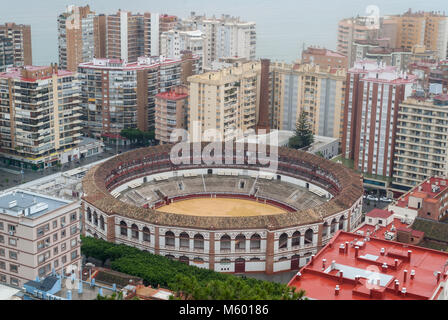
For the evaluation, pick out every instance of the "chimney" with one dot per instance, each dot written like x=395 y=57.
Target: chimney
x=346 y=247
x=383 y=251
x=333 y=264
x=403 y=291
x=438 y=276
x=356 y=251
x=409 y=255
x=412 y=274
x=323 y=263
x=396 y=286
x=342 y=248
x=336 y=290
x=405 y=274
x=384 y=267
x=298 y=276
x=396 y=264
x=341 y=276
x=312 y=260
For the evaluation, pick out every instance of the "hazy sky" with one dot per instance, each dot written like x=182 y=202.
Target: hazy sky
x=282 y=25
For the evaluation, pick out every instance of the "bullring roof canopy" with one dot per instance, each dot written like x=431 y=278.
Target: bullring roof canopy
x=344 y=184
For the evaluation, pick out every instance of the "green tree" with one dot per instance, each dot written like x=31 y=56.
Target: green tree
x=304 y=135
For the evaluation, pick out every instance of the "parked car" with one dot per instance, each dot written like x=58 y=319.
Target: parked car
x=385 y=199
x=372 y=198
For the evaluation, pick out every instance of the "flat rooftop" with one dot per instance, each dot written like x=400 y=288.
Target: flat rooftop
x=429 y=189
x=29 y=204
x=371 y=272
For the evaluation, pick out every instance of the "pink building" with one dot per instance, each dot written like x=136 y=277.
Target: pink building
x=38 y=234
x=374 y=92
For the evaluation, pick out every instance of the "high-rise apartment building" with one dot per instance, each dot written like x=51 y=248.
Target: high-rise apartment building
x=38 y=234
x=373 y=94
x=224 y=37
x=429 y=29
x=324 y=58
x=39 y=115
x=21 y=37
x=421 y=143
x=174 y=42
x=76 y=37
x=319 y=92
x=353 y=29
x=171 y=112
x=119 y=95
x=167 y=23
x=6 y=53
x=226 y=101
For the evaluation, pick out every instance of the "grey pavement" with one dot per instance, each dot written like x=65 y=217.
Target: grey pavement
x=10 y=176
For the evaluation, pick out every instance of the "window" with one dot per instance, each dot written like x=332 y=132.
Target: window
x=64 y=259
x=14 y=282
x=295 y=239
x=73 y=242
x=56 y=263
x=73 y=217
x=225 y=243
x=184 y=240
x=198 y=242
x=14 y=268
x=255 y=241
x=134 y=231
x=43 y=244
x=55 y=224
x=240 y=242
x=12 y=242
x=2 y=278
x=13 y=255
x=74 y=255
x=283 y=241
x=63 y=233
x=43 y=257
x=62 y=221
x=2 y=252
x=55 y=237
x=44 y=270
x=1 y=225
x=55 y=251
x=63 y=246
x=2 y=265
x=123 y=228
x=146 y=235
x=41 y=230
x=2 y=239
x=73 y=230
x=169 y=238
x=11 y=228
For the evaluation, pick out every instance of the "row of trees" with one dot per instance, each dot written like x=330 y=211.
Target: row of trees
x=138 y=137
x=188 y=282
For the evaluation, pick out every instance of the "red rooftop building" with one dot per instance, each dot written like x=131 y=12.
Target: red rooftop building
x=351 y=267
x=428 y=200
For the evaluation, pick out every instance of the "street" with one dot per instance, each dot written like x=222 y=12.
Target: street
x=10 y=176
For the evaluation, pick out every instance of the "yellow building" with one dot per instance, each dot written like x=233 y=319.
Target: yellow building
x=225 y=100
x=320 y=93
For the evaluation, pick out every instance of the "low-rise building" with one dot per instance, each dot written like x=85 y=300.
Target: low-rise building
x=38 y=234
x=171 y=112
x=351 y=267
x=427 y=200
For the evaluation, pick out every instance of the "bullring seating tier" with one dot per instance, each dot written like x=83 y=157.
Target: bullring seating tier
x=293 y=195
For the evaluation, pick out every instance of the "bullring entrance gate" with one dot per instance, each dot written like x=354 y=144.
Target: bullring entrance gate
x=240 y=265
